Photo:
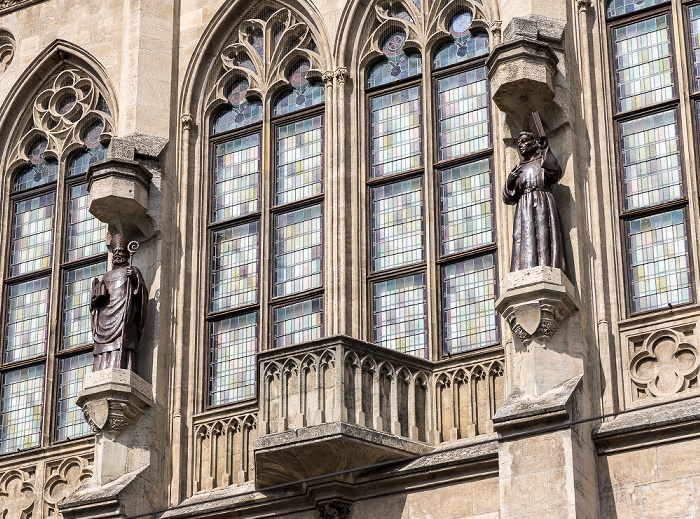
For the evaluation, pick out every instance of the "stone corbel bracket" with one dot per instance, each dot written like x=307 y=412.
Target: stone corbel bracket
x=120 y=185
x=535 y=302
x=522 y=69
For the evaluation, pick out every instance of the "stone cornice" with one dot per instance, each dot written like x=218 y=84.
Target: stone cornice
x=12 y=5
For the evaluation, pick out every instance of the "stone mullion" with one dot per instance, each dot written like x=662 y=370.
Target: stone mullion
x=331 y=241
x=267 y=234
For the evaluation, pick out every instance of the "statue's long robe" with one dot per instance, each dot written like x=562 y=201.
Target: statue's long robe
x=116 y=325
x=538 y=239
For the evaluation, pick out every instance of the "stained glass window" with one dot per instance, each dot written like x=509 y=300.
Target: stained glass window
x=651 y=160
x=620 y=7
x=397 y=65
x=396 y=132
x=643 y=67
x=465 y=46
x=397 y=224
x=32 y=242
x=400 y=315
x=303 y=94
x=96 y=151
x=76 y=307
x=71 y=423
x=234 y=347
x=42 y=171
x=470 y=304
x=242 y=112
x=466 y=207
x=236 y=177
x=463 y=112
x=659 y=262
x=27 y=321
x=86 y=234
x=235 y=268
x=300 y=160
x=694 y=13
x=22 y=398
x=298 y=250
x=299 y=322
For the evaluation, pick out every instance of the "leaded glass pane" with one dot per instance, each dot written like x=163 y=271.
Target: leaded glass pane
x=233 y=349
x=32 y=240
x=96 y=151
x=659 y=262
x=237 y=177
x=235 y=267
x=470 y=304
x=76 y=313
x=643 y=65
x=70 y=421
x=300 y=160
x=694 y=13
x=400 y=315
x=396 y=132
x=463 y=112
x=397 y=65
x=22 y=398
x=397 y=224
x=40 y=172
x=27 y=320
x=620 y=7
x=651 y=160
x=299 y=322
x=86 y=234
x=465 y=46
x=303 y=94
x=241 y=112
x=466 y=207
x=298 y=250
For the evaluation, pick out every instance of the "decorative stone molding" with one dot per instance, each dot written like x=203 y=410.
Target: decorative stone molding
x=341 y=75
x=335 y=509
x=187 y=121
x=496 y=27
x=328 y=77
x=17 y=493
x=583 y=5
x=666 y=364
x=11 y=5
x=7 y=49
x=62 y=479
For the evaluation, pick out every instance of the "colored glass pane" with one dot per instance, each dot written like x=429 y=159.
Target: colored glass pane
x=643 y=67
x=397 y=224
x=300 y=160
x=466 y=207
x=651 y=160
x=76 y=313
x=400 y=315
x=233 y=349
x=96 y=151
x=299 y=322
x=237 y=177
x=298 y=250
x=396 y=132
x=27 y=320
x=40 y=172
x=463 y=113
x=32 y=240
x=70 y=420
x=86 y=234
x=694 y=13
x=235 y=267
x=659 y=262
x=470 y=318
x=22 y=397
x=303 y=94
x=397 y=65
x=620 y=7
x=241 y=112
x=465 y=45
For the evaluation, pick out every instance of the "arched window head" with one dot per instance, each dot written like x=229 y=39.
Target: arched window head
x=41 y=171
x=303 y=94
x=397 y=65
x=465 y=46
x=95 y=151
x=241 y=112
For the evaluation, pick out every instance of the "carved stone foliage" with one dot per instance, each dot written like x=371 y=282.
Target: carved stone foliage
x=62 y=478
x=17 y=494
x=666 y=363
x=66 y=108
x=7 y=49
x=335 y=509
x=265 y=47
x=224 y=452
x=423 y=22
